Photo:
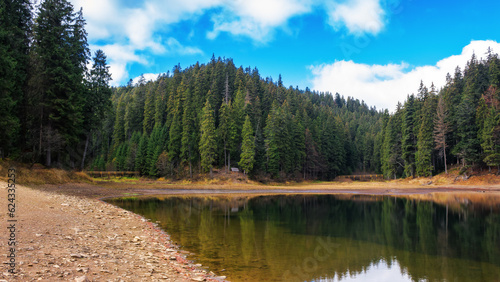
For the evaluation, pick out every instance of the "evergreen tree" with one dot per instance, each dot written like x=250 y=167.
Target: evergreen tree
x=425 y=143
x=441 y=129
x=160 y=101
x=98 y=101
x=141 y=164
x=15 y=24
x=61 y=56
x=409 y=140
x=247 y=157
x=489 y=135
x=154 y=150
x=392 y=161
x=224 y=132
x=189 y=133
x=272 y=140
x=208 y=137
x=468 y=145
x=149 y=111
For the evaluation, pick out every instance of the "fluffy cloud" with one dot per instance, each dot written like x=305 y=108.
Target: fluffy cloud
x=384 y=85
x=358 y=16
x=256 y=19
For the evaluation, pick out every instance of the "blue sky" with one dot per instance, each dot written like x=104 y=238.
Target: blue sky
x=373 y=50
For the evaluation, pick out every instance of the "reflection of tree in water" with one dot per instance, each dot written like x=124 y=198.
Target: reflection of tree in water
x=272 y=237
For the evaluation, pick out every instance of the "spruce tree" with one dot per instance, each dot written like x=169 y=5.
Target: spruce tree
x=98 y=101
x=392 y=157
x=409 y=138
x=272 y=140
x=15 y=25
x=141 y=164
x=468 y=146
x=247 y=157
x=224 y=132
x=189 y=132
x=61 y=56
x=208 y=138
x=149 y=111
x=441 y=129
x=425 y=140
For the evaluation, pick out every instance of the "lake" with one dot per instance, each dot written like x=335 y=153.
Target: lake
x=331 y=238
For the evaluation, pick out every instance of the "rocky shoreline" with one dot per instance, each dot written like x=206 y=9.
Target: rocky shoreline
x=69 y=238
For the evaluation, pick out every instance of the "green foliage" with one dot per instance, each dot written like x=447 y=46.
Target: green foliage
x=425 y=138
x=409 y=138
x=247 y=157
x=15 y=24
x=208 y=137
x=141 y=163
x=392 y=158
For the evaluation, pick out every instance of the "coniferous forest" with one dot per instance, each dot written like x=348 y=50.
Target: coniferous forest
x=59 y=110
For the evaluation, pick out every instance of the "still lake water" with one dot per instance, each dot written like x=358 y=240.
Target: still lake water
x=330 y=238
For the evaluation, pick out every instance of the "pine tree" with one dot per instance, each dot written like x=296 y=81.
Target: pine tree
x=409 y=138
x=154 y=150
x=189 y=132
x=174 y=138
x=149 y=111
x=160 y=101
x=141 y=164
x=272 y=140
x=247 y=157
x=98 y=101
x=425 y=140
x=489 y=113
x=224 y=132
x=207 y=141
x=237 y=117
x=392 y=161
x=468 y=145
x=15 y=24
x=441 y=129
x=61 y=56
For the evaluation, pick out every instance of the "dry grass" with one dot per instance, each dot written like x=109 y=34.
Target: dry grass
x=39 y=175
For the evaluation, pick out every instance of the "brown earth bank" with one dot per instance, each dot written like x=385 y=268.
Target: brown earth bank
x=69 y=238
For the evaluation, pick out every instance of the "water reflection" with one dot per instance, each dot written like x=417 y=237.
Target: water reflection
x=331 y=238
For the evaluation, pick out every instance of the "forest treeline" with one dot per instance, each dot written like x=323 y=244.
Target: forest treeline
x=216 y=115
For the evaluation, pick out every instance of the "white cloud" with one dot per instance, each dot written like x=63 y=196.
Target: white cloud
x=384 y=85
x=256 y=19
x=147 y=77
x=358 y=16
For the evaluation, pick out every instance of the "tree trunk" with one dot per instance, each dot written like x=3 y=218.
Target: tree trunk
x=85 y=151
x=445 y=166
x=49 y=151
x=41 y=136
x=225 y=157
x=211 y=173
